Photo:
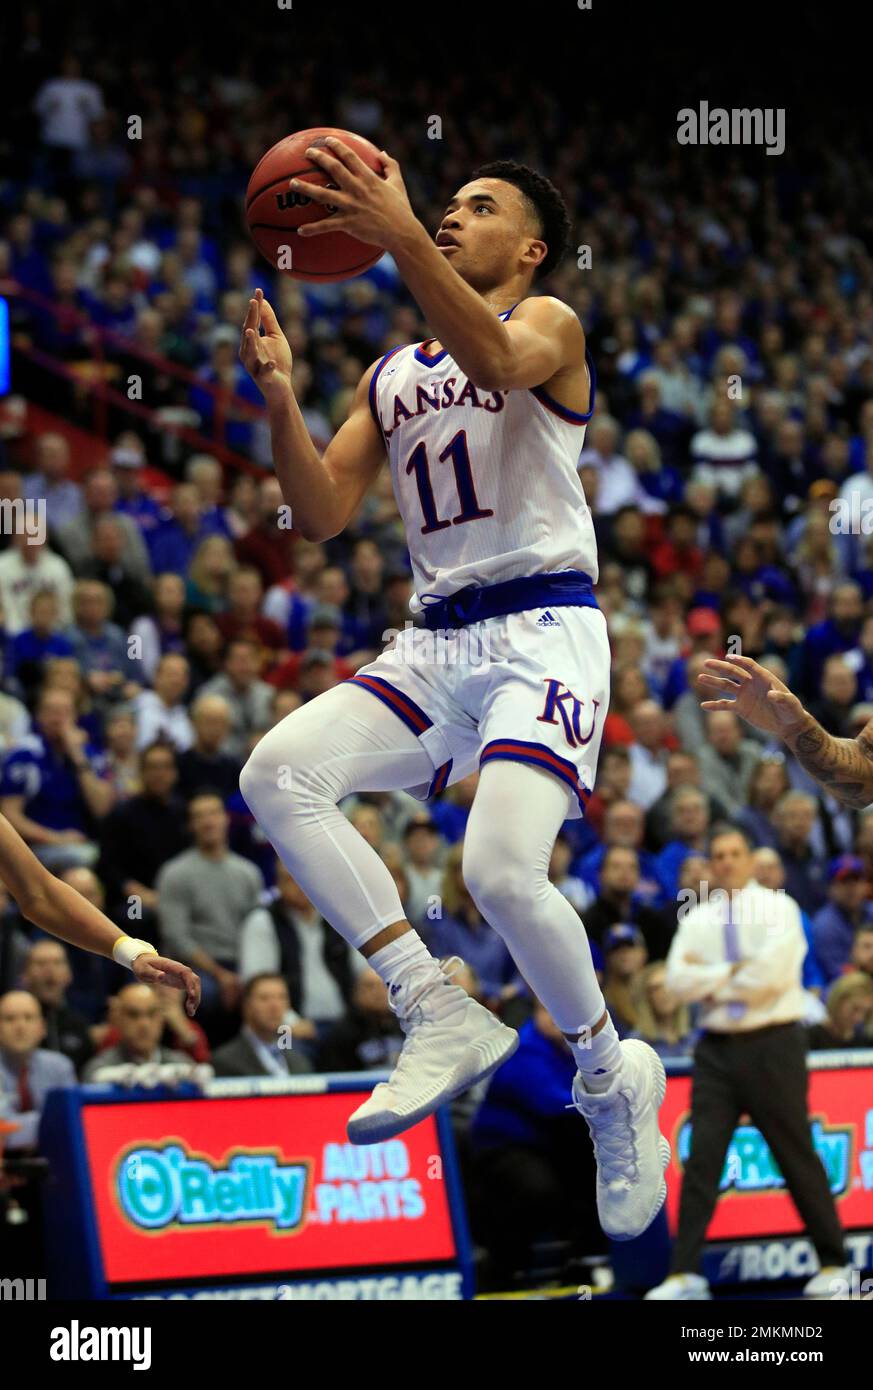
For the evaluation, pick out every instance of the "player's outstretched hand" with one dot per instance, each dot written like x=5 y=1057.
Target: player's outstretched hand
x=159 y=970
x=266 y=357
x=738 y=683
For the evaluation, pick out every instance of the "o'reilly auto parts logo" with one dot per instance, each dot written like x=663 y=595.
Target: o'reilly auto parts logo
x=168 y=1186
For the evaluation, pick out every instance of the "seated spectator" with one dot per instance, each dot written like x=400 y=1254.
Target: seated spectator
x=623 y=826
x=767 y=785
x=288 y=937
x=203 y=647
x=727 y=760
x=204 y=473
x=49 y=788
x=182 y=529
x=619 y=900
x=462 y=931
x=629 y=689
x=861 y=957
x=209 y=573
x=648 y=753
x=724 y=454
x=142 y=834
x=120 y=758
x=423 y=850
x=50 y=480
x=161 y=631
x=323 y=632
x=532 y=1156
x=268 y=545
x=689 y=830
x=204 y=896
x=161 y=713
x=612 y=782
x=625 y=955
x=769 y=871
x=366 y=616
x=662 y=1021
x=180 y=1032
x=849 y=906
x=849 y=1015
x=451 y=810
x=369 y=1037
x=249 y=698
x=128 y=462
x=75 y=538
x=617 y=482
x=682 y=772
x=47 y=976
x=27 y=652
x=204 y=764
x=130 y=594
x=27 y=1071
x=99 y=645
x=264 y=1045
x=794 y=817
x=28 y=567
x=139 y=1020
x=839 y=693
x=244 y=617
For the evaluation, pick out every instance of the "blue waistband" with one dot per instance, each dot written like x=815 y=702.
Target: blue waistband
x=476 y=602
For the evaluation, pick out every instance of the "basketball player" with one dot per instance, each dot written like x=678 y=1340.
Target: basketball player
x=482 y=426
x=843 y=766
x=57 y=908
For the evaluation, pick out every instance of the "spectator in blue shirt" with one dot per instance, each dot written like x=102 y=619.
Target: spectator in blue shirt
x=182 y=528
x=63 y=497
x=50 y=787
x=834 y=926
x=27 y=652
x=100 y=646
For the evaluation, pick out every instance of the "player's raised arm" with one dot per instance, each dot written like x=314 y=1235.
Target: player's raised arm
x=323 y=493
x=55 y=906
x=844 y=766
x=541 y=339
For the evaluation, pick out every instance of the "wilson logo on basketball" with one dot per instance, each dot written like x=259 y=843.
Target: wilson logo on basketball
x=289 y=199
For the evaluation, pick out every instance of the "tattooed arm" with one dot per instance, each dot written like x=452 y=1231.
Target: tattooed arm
x=843 y=766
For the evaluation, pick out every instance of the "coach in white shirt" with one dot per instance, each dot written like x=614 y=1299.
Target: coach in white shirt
x=738 y=953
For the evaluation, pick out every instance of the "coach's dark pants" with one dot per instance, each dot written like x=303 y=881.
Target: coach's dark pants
x=762 y=1073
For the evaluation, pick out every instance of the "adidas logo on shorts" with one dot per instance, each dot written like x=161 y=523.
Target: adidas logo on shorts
x=548 y=619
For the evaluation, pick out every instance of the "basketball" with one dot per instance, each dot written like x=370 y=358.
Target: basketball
x=274 y=211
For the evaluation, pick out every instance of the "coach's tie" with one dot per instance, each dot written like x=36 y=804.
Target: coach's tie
x=732 y=951
x=25 y=1095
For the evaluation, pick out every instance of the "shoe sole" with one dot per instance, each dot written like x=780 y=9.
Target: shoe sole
x=656 y=1066
x=373 y=1129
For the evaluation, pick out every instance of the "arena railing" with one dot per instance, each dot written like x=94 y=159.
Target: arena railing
x=101 y=346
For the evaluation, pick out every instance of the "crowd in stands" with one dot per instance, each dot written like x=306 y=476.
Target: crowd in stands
x=152 y=638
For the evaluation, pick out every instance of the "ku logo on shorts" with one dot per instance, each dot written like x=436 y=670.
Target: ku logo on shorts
x=561 y=701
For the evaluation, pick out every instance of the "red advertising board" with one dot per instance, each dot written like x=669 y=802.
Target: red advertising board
x=754 y=1200
x=191 y=1189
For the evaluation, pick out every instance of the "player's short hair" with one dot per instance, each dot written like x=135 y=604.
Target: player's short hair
x=546 y=204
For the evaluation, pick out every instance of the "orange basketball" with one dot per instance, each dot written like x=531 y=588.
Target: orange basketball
x=274 y=211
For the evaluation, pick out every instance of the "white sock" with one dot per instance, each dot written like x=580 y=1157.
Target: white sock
x=405 y=961
x=598 y=1058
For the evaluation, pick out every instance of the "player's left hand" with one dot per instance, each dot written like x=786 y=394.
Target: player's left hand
x=373 y=207
x=159 y=970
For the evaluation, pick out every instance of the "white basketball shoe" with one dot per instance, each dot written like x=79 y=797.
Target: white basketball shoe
x=451 y=1043
x=631 y=1152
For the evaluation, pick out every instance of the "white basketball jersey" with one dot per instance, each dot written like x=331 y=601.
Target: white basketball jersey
x=486 y=481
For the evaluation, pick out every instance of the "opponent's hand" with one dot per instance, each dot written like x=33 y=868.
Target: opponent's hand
x=372 y=207
x=757 y=695
x=266 y=357
x=158 y=970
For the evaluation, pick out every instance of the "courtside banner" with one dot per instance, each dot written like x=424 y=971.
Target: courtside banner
x=195 y=1189
x=753 y=1199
